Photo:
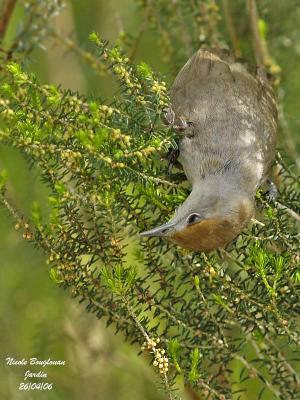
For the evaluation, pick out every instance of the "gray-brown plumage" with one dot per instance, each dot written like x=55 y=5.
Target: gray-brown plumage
x=227 y=116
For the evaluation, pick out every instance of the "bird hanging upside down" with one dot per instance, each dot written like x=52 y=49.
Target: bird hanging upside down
x=228 y=119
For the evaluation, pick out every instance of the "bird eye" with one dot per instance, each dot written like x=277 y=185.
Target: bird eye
x=193 y=218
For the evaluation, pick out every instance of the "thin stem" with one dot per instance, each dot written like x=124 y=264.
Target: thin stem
x=261 y=53
x=284 y=361
x=211 y=390
x=202 y=297
x=147 y=337
x=5 y=16
x=251 y=368
x=9 y=207
x=185 y=36
x=256 y=222
x=141 y=32
x=273 y=362
x=231 y=29
x=288 y=210
x=94 y=62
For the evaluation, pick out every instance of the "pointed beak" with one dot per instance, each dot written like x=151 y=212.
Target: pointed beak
x=162 y=230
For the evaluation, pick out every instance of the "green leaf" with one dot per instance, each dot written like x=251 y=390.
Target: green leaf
x=173 y=350
x=195 y=359
x=119 y=279
x=55 y=276
x=95 y=38
x=263 y=28
x=144 y=70
x=36 y=213
x=197 y=282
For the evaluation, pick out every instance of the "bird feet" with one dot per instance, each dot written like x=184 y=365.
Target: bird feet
x=169 y=116
x=179 y=123
x=172 y=159
x=272 y=191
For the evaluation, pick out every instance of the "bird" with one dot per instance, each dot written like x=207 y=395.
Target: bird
x=226 y=115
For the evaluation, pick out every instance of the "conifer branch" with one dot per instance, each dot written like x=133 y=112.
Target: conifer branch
x=257 y=373
x=288 y=210
x=104 y=164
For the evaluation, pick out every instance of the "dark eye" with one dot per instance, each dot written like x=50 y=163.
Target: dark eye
x=193 y=218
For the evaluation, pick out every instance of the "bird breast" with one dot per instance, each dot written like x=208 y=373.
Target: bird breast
x=206 y=235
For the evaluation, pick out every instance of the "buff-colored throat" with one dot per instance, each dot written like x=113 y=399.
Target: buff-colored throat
x=206 y=235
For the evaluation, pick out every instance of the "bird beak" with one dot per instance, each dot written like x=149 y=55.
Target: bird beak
x=162 y=230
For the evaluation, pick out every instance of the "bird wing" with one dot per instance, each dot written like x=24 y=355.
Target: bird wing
x=201 y=66
x=215 y=76
x=202 y=82
x=230 y=110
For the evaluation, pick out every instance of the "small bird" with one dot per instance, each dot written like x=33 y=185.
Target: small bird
x=227 y=116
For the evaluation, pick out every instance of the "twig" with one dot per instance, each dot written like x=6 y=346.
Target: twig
x=256 y=222
x=284 y=361
x=6 y=13
x=258 y=374
x=288 y=210
x=147 y=337
x=261 y=52
x=88 y=57
x=9 y=207
x=185 y=36
x=217 y=395
x=271 y=343
x=202 y=297
x=140 y=34
x=231 y=29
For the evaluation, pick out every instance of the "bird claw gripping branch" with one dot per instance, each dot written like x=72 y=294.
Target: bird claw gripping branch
x=227 y=116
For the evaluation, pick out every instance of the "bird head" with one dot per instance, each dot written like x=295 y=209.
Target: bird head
x=206 y=222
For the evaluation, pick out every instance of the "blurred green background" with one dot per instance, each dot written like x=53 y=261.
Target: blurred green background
x=37 y=317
